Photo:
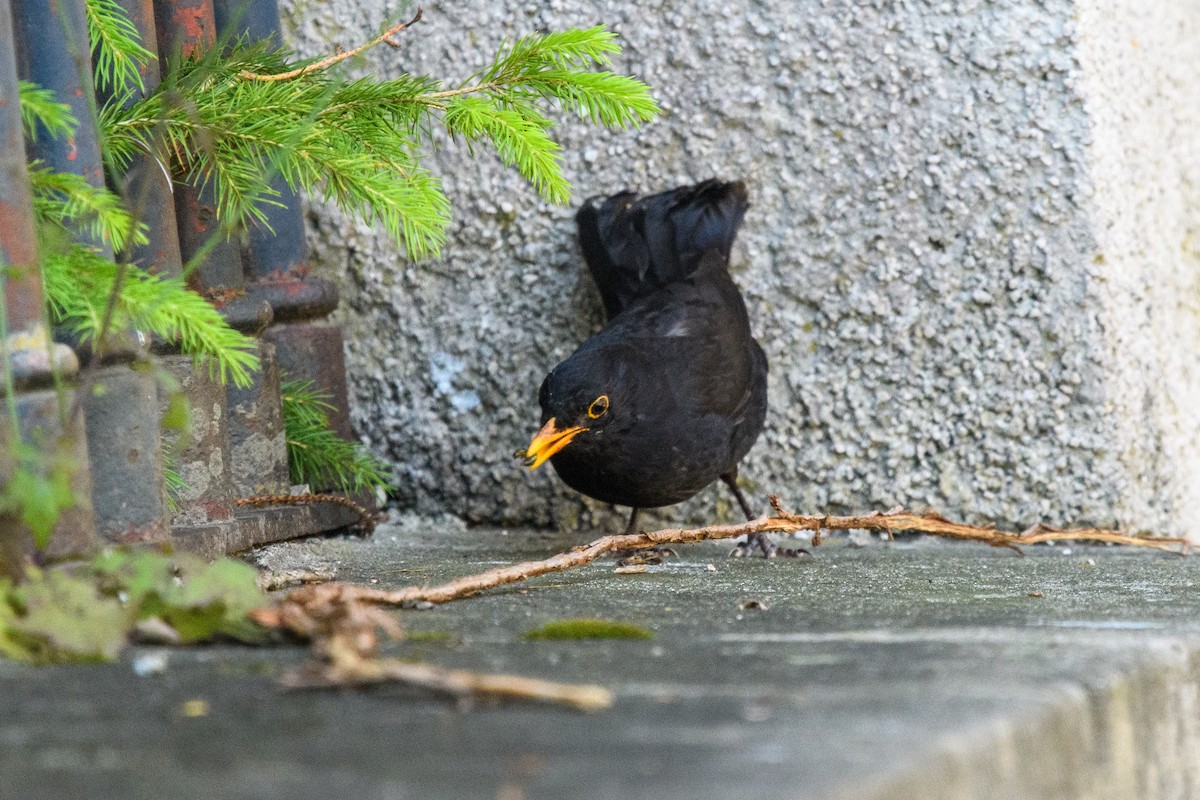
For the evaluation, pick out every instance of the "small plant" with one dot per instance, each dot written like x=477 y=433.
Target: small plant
x=89 y=612
x=318 y=456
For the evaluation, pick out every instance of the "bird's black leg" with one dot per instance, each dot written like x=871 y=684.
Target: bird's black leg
x=755 y=541
x=632 y=527
x=730 y=479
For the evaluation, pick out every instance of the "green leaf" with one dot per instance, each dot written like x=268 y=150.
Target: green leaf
x=39 y=490
x=212 y=599
x=198 y=599
x=55 y=616
x=135 y=576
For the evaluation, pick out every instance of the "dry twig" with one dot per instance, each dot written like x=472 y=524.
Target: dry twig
x=350 y=670
x=782 y=522
x=344 y=632
x=383 y=38
x=269 y=581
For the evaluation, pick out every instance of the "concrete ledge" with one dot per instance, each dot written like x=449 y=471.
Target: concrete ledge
x=909 y=670
x=258 y=526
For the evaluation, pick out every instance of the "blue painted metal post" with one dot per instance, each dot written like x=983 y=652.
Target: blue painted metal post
x=34 y=411
x=146 y=186
x=122 y=424
x=277 y=260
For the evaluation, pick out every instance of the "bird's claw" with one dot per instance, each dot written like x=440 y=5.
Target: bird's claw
x=644 y=555
x=763 y=543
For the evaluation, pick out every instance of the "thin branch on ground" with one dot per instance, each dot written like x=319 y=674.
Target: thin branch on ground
x=269 y=581
x=345 y=634
x=934 y=524
x=783 y=522
x=463 y=685
x=383 y=38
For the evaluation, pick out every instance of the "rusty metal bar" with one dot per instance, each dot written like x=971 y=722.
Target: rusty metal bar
x=124 y=447
x=34 y=411
x=146 y=186
x=245 y=427
x=277 y=260
x=183 y=28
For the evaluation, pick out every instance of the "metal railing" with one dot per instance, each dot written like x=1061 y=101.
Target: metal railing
x=237 y=446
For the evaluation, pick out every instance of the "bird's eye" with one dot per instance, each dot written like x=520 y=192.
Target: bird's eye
x=598 y=407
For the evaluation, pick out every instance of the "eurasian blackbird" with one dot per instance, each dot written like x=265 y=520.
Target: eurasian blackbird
x=672 y=393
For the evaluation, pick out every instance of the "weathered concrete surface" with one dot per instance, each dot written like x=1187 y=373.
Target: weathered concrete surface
x=971 y=256
x=908 y=671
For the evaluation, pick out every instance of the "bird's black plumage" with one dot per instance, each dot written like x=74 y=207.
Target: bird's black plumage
x=672 y=393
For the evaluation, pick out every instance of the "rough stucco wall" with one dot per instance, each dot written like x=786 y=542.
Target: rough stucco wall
x=1140 y=81
x=932 y=258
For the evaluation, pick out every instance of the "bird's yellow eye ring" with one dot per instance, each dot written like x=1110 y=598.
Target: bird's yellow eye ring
x=599 y=407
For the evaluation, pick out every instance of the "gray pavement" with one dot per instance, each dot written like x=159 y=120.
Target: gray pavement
x=913 y=669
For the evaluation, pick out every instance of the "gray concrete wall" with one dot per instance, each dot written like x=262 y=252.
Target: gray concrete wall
x=972 y=257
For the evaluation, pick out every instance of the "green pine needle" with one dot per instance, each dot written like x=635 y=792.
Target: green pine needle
x=360 y=143
x=318 y=456
x=519 y=136
x=117 y=51
x=39 y=107
x=79 y=282
x=69 y=200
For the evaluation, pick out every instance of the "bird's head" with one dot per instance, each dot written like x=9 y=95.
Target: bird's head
x=572 y=405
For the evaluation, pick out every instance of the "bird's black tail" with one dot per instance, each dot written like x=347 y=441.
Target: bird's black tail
x=634 y=245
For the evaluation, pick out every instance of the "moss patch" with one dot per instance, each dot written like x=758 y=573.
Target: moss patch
x=588 y=628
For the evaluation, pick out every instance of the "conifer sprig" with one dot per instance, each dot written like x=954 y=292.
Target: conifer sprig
x=79 y=280
x=117 y=49
x=68 y=200
x=224 y=119
x=317 y=455
x=39 y=107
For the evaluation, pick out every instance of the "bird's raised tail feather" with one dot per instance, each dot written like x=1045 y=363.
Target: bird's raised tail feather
x=634 y=245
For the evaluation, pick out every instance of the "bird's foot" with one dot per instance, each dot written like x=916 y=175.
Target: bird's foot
x=762 y=542
x=644 y=555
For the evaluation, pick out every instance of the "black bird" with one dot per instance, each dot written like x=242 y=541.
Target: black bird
x=672 y=393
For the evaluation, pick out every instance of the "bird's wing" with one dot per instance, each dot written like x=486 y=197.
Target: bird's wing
x=695 y=332
x=634 y=245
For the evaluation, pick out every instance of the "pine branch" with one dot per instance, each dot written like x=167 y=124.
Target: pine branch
x=519 y=136
x=236 y=119
x=39 y=107
x=604 y=98
x=68 y=199
x=317 y=455
x=79 y=282
x=117 y=51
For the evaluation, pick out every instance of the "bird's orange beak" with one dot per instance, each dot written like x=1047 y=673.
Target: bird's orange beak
x=549 y=440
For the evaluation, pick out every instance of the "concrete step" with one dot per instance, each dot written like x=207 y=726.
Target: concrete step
x=913 y=669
